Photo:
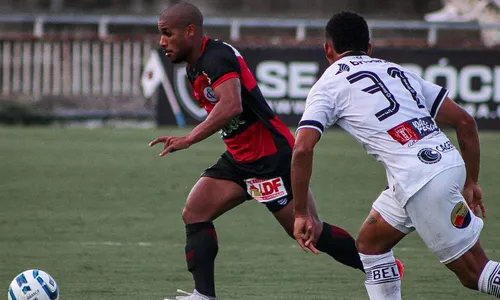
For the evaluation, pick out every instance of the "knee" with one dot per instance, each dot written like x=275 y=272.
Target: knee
x=191 y=216
x=186 y=216
x=370 y=246
x=363 y=245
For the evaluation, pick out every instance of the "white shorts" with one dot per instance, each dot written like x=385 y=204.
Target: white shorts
x=438 y=212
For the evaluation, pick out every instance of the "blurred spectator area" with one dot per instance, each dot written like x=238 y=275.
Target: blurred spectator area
x=276 y=9
x=93 y=67
x=252 y=8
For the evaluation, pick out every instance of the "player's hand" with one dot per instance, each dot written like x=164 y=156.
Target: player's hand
x=474 y=197
x=171 y=143
x=304 y=232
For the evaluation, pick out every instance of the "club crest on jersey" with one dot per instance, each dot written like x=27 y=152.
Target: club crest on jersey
x=202 y=86
x=460 y=216
x=429 y=156
x=209 y=94
x=343 y=68
x=266 y=190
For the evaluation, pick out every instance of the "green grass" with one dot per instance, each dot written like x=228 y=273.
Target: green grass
x=100 y=211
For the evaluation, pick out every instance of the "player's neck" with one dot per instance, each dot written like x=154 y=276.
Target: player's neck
x=197 y=51
x=351 y=53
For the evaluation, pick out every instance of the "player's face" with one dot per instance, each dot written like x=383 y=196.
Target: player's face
x=174 y=41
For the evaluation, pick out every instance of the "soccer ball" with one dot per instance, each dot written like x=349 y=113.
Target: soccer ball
x=33 y=285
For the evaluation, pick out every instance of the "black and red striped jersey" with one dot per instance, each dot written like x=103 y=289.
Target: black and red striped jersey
x=257 y=132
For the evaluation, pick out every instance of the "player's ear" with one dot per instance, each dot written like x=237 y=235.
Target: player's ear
x=369 y=49
x=329 y=52
x=191 y=30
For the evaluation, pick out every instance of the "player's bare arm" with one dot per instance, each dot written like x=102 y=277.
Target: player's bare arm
x=302 y=162
x=451 y=114
x=228 y=94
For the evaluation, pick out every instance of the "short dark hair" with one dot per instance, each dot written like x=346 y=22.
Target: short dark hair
x=348 y=31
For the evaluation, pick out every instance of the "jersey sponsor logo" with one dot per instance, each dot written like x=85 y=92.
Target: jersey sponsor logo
x=232 y=126
x=460 y=216
x=413 y=130
x=424 y=126
x=445 y=147
x=364 y=62
x=266 y=190
x=429 y=156
x=343 y=68
x=209 y=94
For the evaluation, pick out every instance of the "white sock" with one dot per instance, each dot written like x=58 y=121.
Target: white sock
x=489 y=282
x=382 y=276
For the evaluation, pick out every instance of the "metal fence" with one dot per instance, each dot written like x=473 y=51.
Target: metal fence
x=72 y=68
x=104 y=72
x=234 y=25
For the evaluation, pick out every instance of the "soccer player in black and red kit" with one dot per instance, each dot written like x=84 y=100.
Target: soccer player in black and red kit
x=259 y=148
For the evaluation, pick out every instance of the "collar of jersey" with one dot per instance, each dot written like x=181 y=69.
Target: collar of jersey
x=203 y=45
x=354 y=53
x=349 y=55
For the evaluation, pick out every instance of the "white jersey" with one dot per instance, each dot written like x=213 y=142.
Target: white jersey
x=390 y=111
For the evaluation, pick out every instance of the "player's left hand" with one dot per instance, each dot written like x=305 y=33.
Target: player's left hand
x=171 y=143
x=474 y=197
x=304 y=232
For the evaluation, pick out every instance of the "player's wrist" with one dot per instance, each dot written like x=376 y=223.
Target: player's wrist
x=299 y=213
x=469 y=180
x=190 y=139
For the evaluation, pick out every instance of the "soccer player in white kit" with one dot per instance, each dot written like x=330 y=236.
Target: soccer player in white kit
x=432 y=187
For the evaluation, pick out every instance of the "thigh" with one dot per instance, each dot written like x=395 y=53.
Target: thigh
x=385 y=226
x=268 y=181
x=442 y=218
x=218 y=190
x=392 y=212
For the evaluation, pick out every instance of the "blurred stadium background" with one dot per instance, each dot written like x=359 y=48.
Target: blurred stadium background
x=85 y=59
x=100 y=212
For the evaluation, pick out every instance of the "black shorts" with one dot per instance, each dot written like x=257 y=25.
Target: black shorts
x=266 y=180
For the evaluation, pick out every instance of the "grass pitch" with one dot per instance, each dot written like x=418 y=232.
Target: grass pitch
x=100 y=212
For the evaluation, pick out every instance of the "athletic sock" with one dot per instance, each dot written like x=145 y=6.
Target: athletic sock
x=382 y=277
x=340 y=245
x=201 y=250
x=489 y=282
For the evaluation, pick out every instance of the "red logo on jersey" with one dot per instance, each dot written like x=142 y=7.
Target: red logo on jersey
x=264 y=190
x=413 y=130
x=403 y=133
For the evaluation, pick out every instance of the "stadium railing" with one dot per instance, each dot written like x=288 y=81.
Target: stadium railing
x=102 y=73
x=300 y=26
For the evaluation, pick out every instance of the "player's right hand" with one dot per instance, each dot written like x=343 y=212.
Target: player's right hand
x=305 y=233
x=171 y=143
x=474 y=197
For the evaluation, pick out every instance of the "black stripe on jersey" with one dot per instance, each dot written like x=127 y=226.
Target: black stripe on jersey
x=437 y=102
x=312 y=123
